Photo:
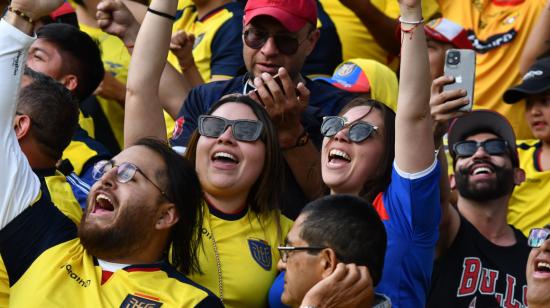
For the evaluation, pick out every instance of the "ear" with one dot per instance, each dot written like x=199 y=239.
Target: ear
x=313 y=39
x=70 y=82
x=167 y=216
x=452 y=181
x=21 y=125
x=327 y=261
x=519 y=176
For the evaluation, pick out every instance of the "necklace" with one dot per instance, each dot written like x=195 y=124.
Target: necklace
x=218 y=264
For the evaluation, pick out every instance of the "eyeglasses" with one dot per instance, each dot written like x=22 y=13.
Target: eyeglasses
x=467 y=148
x=285 y=250
x=537 y=236
x=285 y=43
x=124 y=173
x=358 y=130
x=243 y=130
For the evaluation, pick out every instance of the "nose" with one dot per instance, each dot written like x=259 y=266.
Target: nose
x=108 y=179
x=342 y=135
x=480 y=153
x=545 y=245
x=270 y=48
x=281 y=266
x=227 y=136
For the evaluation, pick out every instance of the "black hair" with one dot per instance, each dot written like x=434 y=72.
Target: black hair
x=181 y=184
x=53 y=111
x=80 y=53
x=351 y=227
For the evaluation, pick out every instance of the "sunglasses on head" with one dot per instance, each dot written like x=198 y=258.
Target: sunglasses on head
x=358 y=130
x=537 y=236
x=243 y=130
x=467 y=148
x=285 y=43
x=124 y=173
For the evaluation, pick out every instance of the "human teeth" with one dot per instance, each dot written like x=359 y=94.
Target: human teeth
x=482 y=170
x=340 y=154
x=225 y=155
x=103 y=197
x=544 y=265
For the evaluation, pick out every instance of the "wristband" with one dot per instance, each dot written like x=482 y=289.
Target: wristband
x=161 y=14
x=21 y=14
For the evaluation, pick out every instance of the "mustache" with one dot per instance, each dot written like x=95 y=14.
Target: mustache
x=468 y=170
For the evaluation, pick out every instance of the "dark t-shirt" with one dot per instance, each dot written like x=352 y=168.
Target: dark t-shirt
x=477 y=273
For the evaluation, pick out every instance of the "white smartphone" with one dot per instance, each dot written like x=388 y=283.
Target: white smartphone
x=461 y=64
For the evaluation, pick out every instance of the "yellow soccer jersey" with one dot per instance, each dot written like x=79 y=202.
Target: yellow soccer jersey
x=116 y=60
x=498 y=32
x=247 y=254
x=218 y=44
x=62 y=196
x=529 y=207
x=357 y=42
x=44 y=256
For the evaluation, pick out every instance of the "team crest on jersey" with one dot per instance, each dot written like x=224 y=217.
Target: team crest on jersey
x=346 y=69
x=178 y=128
x=140 y=301
x=261 y=252
x=198 y=40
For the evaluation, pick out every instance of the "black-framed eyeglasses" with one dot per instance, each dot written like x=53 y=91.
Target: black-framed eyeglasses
x=537 y=236
x=32 y=121
x=243 y=130
x=285 y=250
x=286 y=44
x=468 y=148
x=358 y=130
x=124 y=173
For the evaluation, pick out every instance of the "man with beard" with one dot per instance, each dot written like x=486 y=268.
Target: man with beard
x=137 y=229
x=481 y=259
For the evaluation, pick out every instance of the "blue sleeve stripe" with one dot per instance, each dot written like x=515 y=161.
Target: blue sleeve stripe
x=75 y=181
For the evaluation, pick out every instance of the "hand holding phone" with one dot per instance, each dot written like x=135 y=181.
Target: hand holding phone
x=461 y=64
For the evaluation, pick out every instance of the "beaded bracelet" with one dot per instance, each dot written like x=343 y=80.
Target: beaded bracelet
x=20 y=14
x=161 y=14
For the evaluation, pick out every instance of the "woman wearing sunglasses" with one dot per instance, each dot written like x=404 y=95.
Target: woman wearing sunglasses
x=240 y=168
x=392 y=165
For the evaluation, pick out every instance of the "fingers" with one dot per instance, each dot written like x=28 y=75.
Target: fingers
x=438 y=83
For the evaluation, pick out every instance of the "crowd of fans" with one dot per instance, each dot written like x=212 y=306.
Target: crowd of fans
x=273 y=153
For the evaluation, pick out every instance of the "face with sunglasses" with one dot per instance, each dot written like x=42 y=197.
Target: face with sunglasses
x=269 y=46
x=353 y=148
x=538 y=267
x=230 y=151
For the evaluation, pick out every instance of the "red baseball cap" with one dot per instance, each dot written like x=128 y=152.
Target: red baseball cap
x=292 y=14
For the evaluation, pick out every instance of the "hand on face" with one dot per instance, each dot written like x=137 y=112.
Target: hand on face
x=181 y=46
x=285 y=104
x=36 y=8
x=444 y=105
x=348 y=286
x=111 y=88
x=115 y=18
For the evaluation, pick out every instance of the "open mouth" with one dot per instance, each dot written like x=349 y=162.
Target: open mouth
x=542 y=267
x=225 y=157
x=484 y=168
x=338 y=155
x=103 y=204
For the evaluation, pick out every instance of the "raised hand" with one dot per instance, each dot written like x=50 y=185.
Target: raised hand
x=115 y=18
x=285 y=103
x=444 y=105
x=36 y=8
x=181 y=46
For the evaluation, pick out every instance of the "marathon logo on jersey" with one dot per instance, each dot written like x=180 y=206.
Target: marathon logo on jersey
x=178 y=128
x=492 y=42
x=478 y=280
x=140 y=301
x=261 y=252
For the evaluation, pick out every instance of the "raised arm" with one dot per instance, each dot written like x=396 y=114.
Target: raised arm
x=143 y=114
x=19 y=186
x=414 y=144
x=538 y=43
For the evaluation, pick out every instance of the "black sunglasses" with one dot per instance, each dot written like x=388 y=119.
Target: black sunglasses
x=243 y=130
x=285 y=43
x=124 y=173
x=537 y=236
x=467 y=148
x=358 y=130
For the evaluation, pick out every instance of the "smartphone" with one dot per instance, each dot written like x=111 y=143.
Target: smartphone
x=461 y=64
x=277 y=80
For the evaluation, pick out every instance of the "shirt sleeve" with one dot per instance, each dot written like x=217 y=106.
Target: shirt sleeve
x=227 y=46
x=19 y=186
x=187 y=119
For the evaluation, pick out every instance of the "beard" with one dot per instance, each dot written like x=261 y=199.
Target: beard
x=128 y=234
x=502 y=185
